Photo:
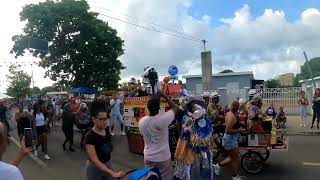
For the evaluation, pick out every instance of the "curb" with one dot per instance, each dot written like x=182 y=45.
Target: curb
x=303 y=133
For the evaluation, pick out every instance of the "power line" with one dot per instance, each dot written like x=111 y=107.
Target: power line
x=150 y=29
x=153 y=23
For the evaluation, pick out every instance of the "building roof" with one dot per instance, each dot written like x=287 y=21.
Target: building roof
x=302 y=81
x=221 y=74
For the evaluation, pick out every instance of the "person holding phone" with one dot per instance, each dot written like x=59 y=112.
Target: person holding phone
x=230 y=142
x=23 y=120
x=98 y=146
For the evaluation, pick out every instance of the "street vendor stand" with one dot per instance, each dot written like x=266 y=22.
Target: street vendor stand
x=135 y=108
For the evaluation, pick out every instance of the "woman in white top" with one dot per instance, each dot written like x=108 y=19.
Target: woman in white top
x=303 y=103
x=41 y=128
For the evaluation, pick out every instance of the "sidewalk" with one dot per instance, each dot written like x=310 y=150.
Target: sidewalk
x=293 y=127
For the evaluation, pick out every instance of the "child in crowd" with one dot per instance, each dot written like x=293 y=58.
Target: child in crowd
x=281 y=118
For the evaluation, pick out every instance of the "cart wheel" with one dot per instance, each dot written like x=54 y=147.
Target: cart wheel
x=265 y=155
x=252 y=162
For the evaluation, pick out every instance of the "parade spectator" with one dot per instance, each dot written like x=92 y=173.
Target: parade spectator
x=116 y=105
x=3 y=116
x=39 y=122
x=49 y=113
x=98 y=146
x=316 y=108
x=303 y=103
x=68 y=120
x=281 y=118
x=154 y=129
x=23 y=120
x=74 y=105
x=10 y=171
x=271 y=112
x=230 y=142
x=83 y=123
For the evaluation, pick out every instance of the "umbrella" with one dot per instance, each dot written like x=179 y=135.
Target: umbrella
x=83 y=90
x=28 y=99
x=4 y=96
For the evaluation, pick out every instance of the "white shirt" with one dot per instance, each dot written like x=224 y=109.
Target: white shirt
x=9 y=172
x=155 y=132
x=40 y=119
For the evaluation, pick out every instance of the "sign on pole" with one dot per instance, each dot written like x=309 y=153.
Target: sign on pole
x=38 y=44
x=173 y=70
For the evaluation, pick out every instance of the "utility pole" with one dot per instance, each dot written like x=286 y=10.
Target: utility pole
x=32 y=79
x=309 y=69
x=204 y=45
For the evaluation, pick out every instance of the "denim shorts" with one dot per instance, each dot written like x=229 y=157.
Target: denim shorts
x=230 y=141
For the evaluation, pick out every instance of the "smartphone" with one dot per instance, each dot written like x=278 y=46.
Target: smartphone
x=28 y=137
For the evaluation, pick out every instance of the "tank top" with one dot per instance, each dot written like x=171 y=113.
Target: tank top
x=40 y=121
x=237 y=124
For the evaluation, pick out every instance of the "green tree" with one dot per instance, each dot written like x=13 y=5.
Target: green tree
x=314 y=64
x=19 y=82
x=226 y=71
x=83 y=50
x=35 y=91
x=272 y=83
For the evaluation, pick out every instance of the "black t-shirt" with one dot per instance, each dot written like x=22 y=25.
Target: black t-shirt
x=3 y=113
x=102 y=145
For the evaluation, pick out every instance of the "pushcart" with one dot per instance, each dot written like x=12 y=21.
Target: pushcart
x=253 y=158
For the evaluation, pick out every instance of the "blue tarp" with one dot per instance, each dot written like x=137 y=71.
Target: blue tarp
x=28 y=99
x=84 y=90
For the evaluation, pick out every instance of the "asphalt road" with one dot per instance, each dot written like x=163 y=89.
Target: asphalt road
x=66 y=165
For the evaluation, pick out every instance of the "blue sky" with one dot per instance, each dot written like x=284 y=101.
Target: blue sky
x=218 y=9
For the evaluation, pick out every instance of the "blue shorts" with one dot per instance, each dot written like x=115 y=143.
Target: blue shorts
x=230 y=141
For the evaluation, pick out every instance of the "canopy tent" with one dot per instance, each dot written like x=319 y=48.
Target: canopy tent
x=4 y=96
x=29 y=99
x=84 y=90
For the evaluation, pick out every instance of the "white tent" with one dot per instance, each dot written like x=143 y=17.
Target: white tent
x=4 y=96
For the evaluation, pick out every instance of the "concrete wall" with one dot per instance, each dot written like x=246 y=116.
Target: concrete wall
x=233 y=82
x=206 y=64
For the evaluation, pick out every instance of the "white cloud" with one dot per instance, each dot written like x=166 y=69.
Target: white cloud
x=267 y=44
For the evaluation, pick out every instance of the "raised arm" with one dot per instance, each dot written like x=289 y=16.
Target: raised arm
x=173 y=106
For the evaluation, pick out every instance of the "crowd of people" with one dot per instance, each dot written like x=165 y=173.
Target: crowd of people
x=196 y=119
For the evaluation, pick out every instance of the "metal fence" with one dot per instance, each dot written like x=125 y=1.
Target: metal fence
x=285 y=97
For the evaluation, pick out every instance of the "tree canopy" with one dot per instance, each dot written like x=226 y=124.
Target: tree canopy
x=272 y=83
x=226 y=71
x=83 y=50
x=19 y=82
x=314 y=64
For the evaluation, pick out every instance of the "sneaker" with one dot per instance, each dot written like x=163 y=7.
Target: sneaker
x=46 y=156
x=123 y=133
x=304 y=125
x=36 y=153
x=237 y=178
x=217 y=169
x=301 y=125
x=111 y=133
